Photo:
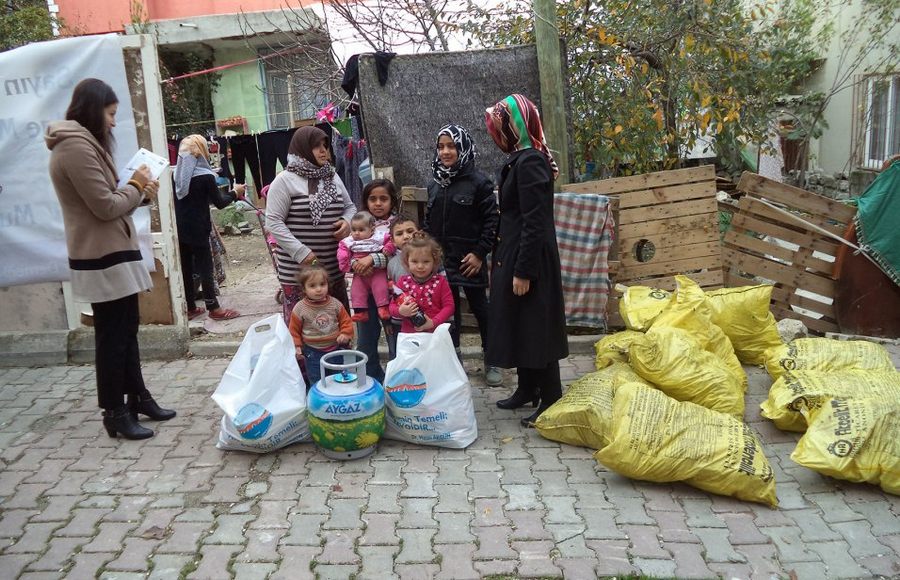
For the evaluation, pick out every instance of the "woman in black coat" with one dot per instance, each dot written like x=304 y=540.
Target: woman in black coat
x=195 y=190
x=461 y=215
x=527 y=315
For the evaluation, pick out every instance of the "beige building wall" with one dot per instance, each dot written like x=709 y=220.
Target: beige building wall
x=833 y=151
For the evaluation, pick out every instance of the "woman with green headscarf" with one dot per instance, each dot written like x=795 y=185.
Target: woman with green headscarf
x=527 y=313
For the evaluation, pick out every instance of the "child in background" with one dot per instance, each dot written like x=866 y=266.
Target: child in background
x=402 y=231
x=319 y=322
x=380 y=198
x=426 y=301
x=363 y=241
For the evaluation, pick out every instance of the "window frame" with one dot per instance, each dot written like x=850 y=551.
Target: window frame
x=869 y=158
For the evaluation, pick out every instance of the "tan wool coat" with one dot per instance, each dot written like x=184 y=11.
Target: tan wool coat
x=104 y=255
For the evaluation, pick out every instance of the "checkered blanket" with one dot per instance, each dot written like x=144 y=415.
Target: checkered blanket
x=584 y=233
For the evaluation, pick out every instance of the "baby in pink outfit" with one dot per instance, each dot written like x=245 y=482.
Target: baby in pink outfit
x=362 y=241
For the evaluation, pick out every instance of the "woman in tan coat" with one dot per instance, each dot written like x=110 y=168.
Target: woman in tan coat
x=104 y=256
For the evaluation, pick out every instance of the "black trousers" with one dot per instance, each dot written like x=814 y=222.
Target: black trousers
x=243 y=151
x=273 y=147
x=478 y=304
x=545 y=381
x=199 y=257
x=223 y=151
x=117 y=357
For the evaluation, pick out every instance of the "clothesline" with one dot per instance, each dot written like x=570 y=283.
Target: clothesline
x=230 y=65
x=205 y=121
x=214 y=120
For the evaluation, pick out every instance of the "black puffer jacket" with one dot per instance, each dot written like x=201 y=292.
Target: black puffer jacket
x=463 y=218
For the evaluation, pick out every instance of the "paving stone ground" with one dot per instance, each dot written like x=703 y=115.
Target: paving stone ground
x=76 y=504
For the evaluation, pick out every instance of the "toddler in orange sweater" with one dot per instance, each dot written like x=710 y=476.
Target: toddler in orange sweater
x=319 y=322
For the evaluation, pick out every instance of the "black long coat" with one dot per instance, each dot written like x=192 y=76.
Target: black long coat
x=526 y=331
x=463 y=218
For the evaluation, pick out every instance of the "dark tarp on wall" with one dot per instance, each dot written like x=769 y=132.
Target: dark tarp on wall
x=426 y=91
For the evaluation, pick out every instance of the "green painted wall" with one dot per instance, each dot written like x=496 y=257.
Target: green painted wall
x=239 y=89
x=239 y=94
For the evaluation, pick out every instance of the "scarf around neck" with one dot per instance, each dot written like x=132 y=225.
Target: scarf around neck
x=465 y=148
x=322 y=191
x=302 y=162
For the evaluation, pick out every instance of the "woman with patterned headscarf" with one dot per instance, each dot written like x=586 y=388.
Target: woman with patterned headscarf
x=461 y=215
x=308 y=210
x=528 y=323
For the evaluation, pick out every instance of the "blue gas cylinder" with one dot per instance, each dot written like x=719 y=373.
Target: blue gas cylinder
x=346 y=408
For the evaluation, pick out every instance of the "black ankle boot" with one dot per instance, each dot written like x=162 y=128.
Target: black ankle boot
x=144 y=404
x=519 y=399
x=121 y=421
x=530 y=420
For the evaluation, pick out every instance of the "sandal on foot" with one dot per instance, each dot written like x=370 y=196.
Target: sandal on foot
x=195 y=312
x=223 y=314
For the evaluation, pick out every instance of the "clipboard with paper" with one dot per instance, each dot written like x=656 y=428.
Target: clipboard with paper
x=141 y=215
x=154 y=162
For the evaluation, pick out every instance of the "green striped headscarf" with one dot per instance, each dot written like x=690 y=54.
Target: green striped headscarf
x=514 y=123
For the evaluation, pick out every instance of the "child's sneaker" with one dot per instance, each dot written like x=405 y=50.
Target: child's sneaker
x=493 y=376
x=360 y=316
x=384 y=313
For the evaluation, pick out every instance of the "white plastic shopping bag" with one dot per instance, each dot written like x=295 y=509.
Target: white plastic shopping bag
x=428 y=398
x=262 y=392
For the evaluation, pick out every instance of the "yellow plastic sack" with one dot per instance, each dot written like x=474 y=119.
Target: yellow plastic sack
x=674 y=361
x=689 y=310
x=797 y=391
x=656 y=438
x=854 y=439
x=743 y=314
x=826 y=354
x=583 y=415
x=614 y=348
x=640 y=305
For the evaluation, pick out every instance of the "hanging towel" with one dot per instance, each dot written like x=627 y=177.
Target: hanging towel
x=584 y=234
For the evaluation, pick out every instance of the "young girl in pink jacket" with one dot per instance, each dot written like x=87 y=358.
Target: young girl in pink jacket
x=426 y=300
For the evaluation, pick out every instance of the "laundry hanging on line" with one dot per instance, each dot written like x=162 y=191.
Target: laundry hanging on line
x=262 y=152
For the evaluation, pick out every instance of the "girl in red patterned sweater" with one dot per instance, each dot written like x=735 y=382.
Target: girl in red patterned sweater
x=426 y=300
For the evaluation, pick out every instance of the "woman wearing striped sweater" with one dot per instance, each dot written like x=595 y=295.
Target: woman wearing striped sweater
x=308 y=211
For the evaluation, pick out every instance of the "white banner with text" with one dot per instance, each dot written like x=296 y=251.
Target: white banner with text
x=36 y=86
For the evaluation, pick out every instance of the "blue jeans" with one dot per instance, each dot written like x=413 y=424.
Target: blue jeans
x=313 y=369
x=369 y=332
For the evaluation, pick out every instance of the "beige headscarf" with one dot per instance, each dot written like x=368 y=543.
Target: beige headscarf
x=193 y=160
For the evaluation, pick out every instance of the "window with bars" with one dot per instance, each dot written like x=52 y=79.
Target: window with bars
x=297 y=85
x=878 y=132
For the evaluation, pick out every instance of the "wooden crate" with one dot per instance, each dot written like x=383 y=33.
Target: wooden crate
x=782 y=245
x=675 y=212
x=412 y=203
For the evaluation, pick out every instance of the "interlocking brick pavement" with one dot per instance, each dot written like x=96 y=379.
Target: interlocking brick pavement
x=76 y=504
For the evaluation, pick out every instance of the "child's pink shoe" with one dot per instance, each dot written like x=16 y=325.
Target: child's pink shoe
x=384 y=313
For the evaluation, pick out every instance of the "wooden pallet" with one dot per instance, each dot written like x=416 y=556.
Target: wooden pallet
x=676 y=213
x=762 y=240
